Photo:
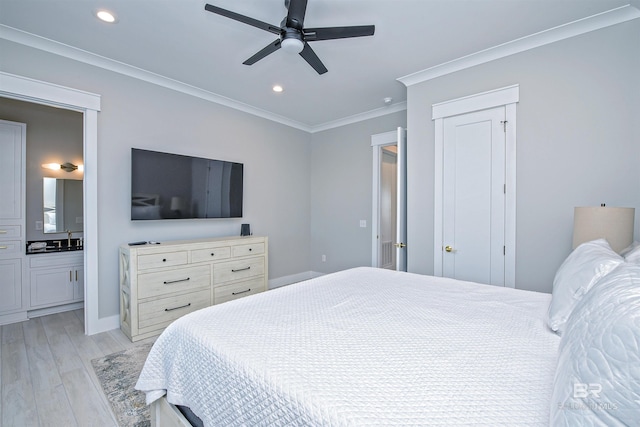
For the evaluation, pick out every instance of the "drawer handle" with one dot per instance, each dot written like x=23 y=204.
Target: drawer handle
x=176 y=308
x=3 y=231
x=241 y=292
x=240 y=269
x=168 y=282
x=4 y=247
x=164 y=260
x=250 y=249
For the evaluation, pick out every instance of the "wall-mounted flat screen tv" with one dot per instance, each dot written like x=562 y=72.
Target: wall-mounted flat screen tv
x=173 y=186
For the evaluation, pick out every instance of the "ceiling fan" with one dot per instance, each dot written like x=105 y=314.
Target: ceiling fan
x=292 y=36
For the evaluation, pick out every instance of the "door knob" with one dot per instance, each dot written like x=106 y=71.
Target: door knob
x=448 y=248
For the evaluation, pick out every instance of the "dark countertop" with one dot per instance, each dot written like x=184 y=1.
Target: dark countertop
x=53 y=250
x=54 y=246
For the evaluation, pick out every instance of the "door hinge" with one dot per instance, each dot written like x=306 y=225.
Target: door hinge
x=504 y=250
x=504 y=188
x=504 y=125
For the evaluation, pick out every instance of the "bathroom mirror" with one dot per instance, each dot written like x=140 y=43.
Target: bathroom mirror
x=62 y=205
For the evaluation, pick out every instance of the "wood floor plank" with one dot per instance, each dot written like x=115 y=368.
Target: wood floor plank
x=86 y=401
x=60 y=343
x=107 y=343
x=50 y=395
x=19 y=407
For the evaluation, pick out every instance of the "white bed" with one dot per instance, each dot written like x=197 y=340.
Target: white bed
x=362 y=347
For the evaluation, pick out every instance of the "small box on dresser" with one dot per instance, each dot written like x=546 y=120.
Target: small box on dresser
x=161 y=282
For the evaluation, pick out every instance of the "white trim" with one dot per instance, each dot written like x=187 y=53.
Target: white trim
x=67 y=51
x=510 y=198
x=377 y=142
x=288 y=280
x=22 y=88
x=378 y=112
x=510 y=96
x=61 y=49
x=552 y=35
x=481 y=101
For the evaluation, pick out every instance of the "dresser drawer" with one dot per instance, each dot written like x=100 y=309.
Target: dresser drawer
x=10 y=232
x=10 y=248
x=236 y=270
x=167 y=259
x=174 y=281
x=238 y=290
x=161 y=312
x=210 y=254
x=245 y=250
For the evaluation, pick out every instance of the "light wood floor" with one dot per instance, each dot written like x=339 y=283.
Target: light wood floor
x=46 y=378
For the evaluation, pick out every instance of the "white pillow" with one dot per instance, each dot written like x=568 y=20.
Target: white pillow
x=597 y=380
x=583 y=267
x=633 y=255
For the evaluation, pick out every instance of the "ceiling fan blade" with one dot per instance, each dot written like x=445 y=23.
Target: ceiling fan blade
x=330 y=33
x=310 y=56
x=270 y=48
x=244 y=19
x=295 y=16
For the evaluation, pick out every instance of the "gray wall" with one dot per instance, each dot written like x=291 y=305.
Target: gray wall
x=341 y=189
x=578 y=142
x=138 y=114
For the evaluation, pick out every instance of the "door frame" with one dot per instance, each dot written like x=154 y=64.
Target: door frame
x=377 y=142
x=45 y=93
x=507 y=97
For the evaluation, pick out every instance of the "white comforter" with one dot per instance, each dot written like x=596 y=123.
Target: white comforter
x=362 y=347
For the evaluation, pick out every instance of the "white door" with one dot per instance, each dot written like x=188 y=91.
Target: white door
x=473 y=217
x=401 y=198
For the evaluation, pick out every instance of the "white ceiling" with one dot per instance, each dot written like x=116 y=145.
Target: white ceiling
x=179 y=40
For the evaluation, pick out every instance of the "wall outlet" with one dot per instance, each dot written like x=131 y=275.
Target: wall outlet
x=324 y=258
x=39 y=225
x=363 y=223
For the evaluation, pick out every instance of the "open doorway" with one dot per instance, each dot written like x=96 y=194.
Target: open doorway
x=387 y=206
x=389 y=201
x=30 y=90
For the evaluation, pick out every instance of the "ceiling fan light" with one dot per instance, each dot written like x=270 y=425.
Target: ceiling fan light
x=292 y=45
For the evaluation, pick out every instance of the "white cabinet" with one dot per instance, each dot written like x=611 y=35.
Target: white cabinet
x=160 y=283
x=56 y=279
x=12 y=225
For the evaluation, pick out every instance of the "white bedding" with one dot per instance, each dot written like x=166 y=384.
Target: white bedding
x=362 y=347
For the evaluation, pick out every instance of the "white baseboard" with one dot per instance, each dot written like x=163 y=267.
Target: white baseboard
x=7 y=319
x=56 y=309
x=105 y=324
x=294 y=278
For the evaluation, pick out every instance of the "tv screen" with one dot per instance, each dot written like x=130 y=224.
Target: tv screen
x=173 y=186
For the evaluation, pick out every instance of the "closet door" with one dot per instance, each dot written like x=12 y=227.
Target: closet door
x=474 y=197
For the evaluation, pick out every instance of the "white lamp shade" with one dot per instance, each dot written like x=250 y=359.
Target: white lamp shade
x=292 y=45
x=613 y=224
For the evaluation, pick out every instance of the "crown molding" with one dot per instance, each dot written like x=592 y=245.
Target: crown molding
x=372 y=114
x=552 y=35
x=61 y=49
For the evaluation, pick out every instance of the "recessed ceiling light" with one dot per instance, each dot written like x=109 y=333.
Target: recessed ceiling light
x=278 y=88
x=106 y=16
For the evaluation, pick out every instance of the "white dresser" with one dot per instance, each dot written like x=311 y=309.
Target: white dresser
x=162 y=282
